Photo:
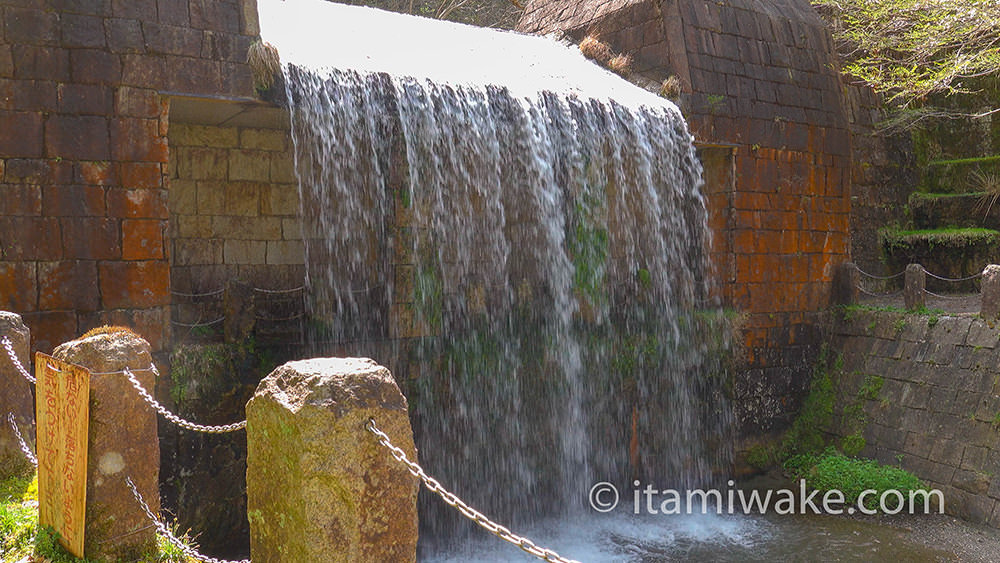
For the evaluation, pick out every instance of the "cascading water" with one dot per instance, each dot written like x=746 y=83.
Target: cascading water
x=528 y=254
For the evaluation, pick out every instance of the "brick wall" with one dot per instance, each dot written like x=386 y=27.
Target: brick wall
x=759 y=76
x=931 y=404
x=83 y=151
x=234 y=208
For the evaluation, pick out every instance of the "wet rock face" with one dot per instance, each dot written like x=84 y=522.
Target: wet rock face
x=15 y=397
x=319 y=486
x=122 y=442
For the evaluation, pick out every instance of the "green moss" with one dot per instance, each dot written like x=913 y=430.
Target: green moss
x=853 y=444
x=428 y=296
x=870 y=388
x=807 y=431
x=588 y=242
x=762 y=456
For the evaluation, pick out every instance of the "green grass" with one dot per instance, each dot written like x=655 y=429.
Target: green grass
x=18 y=517
x=933 y=196
x=21 y=537
x=972 y=160
x=952 y=237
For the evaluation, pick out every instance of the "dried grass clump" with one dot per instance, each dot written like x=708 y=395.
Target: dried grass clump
x=621 y=64
x=671 y=88
x=595 y=49
x=265 y=64
x=108 y=329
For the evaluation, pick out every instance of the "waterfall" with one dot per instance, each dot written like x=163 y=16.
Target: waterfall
x=531 y=261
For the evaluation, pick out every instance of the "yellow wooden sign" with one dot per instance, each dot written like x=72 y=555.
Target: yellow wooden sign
x=62 y=416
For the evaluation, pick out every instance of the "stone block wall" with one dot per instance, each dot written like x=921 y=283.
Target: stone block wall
x=758 y=76
x=883 y=173
x=83 y=151
x=234 y=208
x=929 y=388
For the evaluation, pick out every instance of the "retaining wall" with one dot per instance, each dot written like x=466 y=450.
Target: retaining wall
x=929 y=389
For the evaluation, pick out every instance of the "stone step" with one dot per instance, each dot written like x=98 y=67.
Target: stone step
x=949 y=253
x=965 y=175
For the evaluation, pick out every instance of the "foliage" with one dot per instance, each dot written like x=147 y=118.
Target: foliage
x=832 y=470
x=913 y=49
x=21 y=538
x=988 y=184
x=18 y=517
x=806 y=433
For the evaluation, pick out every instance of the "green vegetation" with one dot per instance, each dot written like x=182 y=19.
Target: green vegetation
x=807 y=432
x=588 y=245
x=18 y=517
x=915 y=50
x=831 y=470
x=951 y=237
x=972 y=160
x=21 y=537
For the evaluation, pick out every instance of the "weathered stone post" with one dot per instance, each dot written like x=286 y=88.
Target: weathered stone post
x=15 y=398
x=319 y=486
x=990 y=308
x=846 y=280
x=915 y=280
x=122 y=442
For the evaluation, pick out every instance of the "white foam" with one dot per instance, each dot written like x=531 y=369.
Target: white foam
x=318 y=35
x=612 y=538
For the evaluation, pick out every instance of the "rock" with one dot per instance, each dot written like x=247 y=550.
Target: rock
x=319 y=485
x=991 y=292
x=914 y=284
x=15 y=398
x=122 y=442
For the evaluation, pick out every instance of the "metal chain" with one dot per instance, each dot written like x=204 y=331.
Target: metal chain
x=469 y=512
x=9 y=346
x=874 y=277
x=966 y=278
x=208 y=294
x=279 y=291
x=952 y=297
x=870 y=294
x=173 y=417
x=162 y=528
x=199 y=325
x=20 y=439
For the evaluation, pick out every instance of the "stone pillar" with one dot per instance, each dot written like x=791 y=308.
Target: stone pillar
x=319 y=486
x=990 y=309
x=122 y=442
x=915 y=280
x=15 y=398
x=846 y=279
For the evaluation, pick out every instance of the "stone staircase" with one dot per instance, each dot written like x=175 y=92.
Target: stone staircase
x=953 y=223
